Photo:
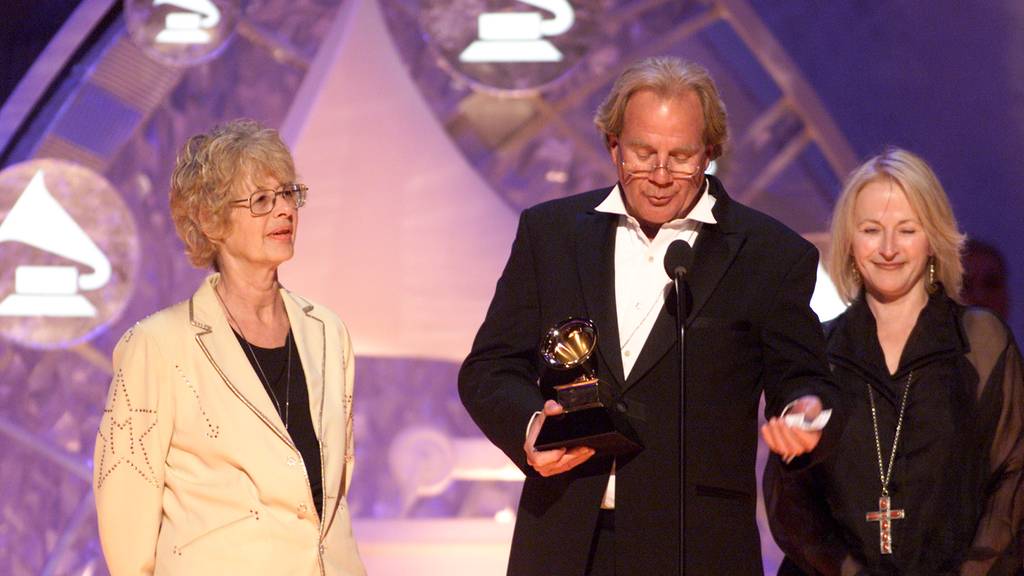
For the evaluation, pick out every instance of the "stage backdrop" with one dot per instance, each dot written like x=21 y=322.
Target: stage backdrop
x=418 y=162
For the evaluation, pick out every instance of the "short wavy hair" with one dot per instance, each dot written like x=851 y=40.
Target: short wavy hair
x=928 y=199
x=667 y=77
x=214 y=168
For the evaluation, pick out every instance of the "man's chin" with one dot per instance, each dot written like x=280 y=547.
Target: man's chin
x=657 y=218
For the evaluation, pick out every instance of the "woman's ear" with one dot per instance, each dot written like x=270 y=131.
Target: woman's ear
x=209 y=228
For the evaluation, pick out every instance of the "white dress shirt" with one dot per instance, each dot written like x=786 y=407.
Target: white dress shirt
x=641 y=283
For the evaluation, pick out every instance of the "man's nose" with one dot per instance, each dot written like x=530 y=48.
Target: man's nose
x=661 y=175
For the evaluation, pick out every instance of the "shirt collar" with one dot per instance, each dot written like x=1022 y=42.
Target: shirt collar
x=701 y=211
x=853 y=339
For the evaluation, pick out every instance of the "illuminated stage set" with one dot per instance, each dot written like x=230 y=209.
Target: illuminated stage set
x=423 y=128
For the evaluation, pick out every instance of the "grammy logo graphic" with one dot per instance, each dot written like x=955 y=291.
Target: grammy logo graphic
x=38 y=220
x=519 y=36
x=190 y=27
x=68 y=251
x=497 y=47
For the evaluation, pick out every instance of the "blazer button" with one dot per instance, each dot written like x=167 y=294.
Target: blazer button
x=620 y=407
x=301 y=511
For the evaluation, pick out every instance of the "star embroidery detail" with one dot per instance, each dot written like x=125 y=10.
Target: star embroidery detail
x=123 y=433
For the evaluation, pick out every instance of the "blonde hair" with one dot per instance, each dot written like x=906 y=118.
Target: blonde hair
x=927 y=198
x=211 y=170
x=668 y=77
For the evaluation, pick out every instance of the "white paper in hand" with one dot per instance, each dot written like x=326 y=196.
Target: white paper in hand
x=799 y=421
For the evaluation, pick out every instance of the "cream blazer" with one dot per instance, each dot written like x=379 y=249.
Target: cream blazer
x=194 y=472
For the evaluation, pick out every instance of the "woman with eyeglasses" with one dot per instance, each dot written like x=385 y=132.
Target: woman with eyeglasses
x=226 y=444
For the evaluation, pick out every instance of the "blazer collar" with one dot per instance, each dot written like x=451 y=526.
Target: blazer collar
x=853 y=341
x=716 y=247
x=595 y=257
x=218 y=343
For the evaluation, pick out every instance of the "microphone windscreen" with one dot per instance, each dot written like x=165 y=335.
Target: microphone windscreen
x=678 y=255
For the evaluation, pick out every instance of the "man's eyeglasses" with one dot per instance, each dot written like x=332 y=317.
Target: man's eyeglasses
x=676 y=168
x=262 y=201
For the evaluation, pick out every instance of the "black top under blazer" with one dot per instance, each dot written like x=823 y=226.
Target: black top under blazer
x=750 y=330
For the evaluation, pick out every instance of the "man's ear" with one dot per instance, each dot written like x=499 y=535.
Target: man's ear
x=612 y=142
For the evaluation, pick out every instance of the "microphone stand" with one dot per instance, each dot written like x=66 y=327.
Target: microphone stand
x=682 y=310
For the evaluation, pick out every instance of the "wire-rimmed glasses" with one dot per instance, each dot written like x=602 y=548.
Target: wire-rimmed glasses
x=676 y=168
x=262 y=201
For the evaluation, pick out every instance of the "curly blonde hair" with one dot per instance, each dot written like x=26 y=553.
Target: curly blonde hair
x=215 y=168
x=928 y=199
x=668 y=77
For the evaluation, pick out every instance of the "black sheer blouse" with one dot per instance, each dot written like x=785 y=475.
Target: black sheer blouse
x=958 y=467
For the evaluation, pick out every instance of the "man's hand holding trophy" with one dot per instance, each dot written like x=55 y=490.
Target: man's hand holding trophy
x=590 y=416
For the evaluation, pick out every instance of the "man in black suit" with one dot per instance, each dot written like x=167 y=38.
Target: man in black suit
x=599 y=255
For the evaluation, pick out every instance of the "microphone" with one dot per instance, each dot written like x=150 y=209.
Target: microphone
x=678 y=259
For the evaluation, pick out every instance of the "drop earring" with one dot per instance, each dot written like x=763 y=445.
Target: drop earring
x=932 y=286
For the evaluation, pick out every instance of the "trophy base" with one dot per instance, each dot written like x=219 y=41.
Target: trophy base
x=592 y=427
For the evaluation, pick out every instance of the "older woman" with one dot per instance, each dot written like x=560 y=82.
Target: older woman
x=226 y=444
x=927 y=478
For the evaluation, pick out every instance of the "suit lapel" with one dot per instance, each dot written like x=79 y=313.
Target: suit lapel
x=713 y=254
x=595 y=257
x=308 y=330
x=717 y=246
x=222 y=350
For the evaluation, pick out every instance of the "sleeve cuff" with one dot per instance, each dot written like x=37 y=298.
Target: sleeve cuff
x=526 y=435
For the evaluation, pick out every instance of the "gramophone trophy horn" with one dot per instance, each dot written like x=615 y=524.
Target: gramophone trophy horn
x=587 y=420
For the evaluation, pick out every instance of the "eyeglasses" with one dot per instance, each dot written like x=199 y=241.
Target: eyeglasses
x=262 y=201
x=676 y=168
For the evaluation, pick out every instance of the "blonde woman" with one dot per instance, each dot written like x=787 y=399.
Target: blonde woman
x=927 y=477
x=226 y=444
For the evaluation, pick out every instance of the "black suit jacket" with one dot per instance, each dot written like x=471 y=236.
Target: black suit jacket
x=750 y=330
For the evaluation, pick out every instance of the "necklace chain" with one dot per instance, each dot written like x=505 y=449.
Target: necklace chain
x=266 y=381
x=884 y=474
